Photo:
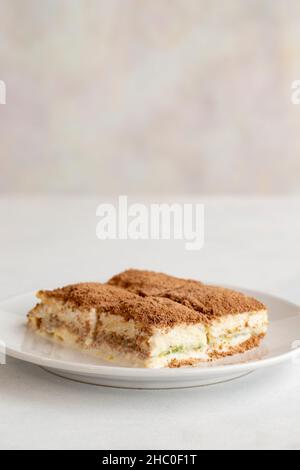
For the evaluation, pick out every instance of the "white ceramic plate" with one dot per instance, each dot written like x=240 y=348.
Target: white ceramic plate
x=281 y=345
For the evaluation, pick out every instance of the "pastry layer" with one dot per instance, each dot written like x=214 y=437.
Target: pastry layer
x=119 y=338
x=232 y=331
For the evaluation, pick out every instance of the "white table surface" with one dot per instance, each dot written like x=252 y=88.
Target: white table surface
x=46 y=242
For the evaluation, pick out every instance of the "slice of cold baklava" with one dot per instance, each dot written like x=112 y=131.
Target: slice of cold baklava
x=235 y=323
x=146 y=319
x=120 y=326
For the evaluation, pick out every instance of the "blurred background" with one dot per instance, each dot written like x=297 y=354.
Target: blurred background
x=149 y=97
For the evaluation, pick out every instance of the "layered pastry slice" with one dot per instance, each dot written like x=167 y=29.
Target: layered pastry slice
x=120 y=326
x=234 y=322
x=145 y=319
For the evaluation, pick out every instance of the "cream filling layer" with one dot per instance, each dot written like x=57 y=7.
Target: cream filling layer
x=180 y=342
x=235 y=330
x=163 y=341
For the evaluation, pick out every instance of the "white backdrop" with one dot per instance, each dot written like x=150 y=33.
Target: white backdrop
x=149 y=96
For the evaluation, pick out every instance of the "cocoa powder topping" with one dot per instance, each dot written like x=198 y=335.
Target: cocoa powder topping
x=210 y=301
x=155 y=299
x=149 y=312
